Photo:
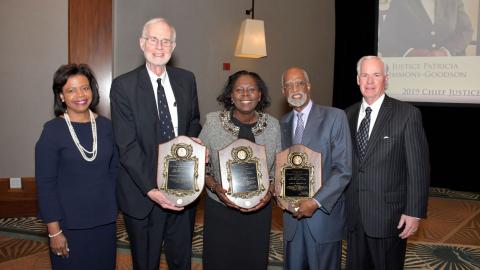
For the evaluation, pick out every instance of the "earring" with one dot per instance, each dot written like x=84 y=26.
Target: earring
x=233 y=102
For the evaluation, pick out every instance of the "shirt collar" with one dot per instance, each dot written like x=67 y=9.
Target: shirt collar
x=305 y=111
x=375 y=106
x=154 y=77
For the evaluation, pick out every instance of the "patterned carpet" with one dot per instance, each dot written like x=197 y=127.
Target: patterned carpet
x=448 y=239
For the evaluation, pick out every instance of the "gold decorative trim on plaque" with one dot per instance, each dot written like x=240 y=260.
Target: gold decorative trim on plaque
x=244 y=154
x=297 y=160
x=180 y=152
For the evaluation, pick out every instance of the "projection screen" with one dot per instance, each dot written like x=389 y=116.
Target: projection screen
x=431 y=48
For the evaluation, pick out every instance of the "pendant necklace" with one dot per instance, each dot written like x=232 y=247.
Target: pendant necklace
x=84 y=152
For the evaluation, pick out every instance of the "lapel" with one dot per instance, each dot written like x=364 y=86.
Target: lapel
x=417 y=8
x=315 y=118
x=146 y=95
x=146 y=101
x=382 y=121
x=287 y=123
x=180 y=99
x=353 y=119
x=442 y=8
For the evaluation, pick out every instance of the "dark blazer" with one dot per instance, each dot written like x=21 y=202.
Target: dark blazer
x=393 y=178
x=326 y=132
x=76 y=193
x=407 y=25
x=137 y=131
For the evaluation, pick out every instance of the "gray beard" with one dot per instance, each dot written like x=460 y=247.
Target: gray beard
x=297 y=102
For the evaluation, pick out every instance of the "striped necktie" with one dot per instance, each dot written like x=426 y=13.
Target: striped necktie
x=362 y=133
x=297 y=138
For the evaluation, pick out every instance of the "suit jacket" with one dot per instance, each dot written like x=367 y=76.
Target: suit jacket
x=393 y=178
x=326 y=132
x=76 y=193
x=137 y=131
x=407 y=25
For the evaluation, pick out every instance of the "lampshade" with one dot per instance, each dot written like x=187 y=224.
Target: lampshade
x=251 y=40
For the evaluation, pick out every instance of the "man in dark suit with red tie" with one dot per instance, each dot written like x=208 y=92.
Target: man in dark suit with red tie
x=388 y=192
x=151 y=105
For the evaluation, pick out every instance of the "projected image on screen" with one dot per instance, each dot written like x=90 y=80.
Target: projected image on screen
x=431 y=48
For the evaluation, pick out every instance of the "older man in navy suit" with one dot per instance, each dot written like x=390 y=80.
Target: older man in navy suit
x=151 y=105
x=313 y=234
x=389 y=188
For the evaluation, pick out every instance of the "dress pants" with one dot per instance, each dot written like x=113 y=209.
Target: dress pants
x=172 y=229
x=365 y=252
x=302 y=252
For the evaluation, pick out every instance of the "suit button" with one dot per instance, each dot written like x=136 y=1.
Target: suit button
x=432 y=33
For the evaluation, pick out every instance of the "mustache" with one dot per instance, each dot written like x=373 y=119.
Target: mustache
x=297 y=102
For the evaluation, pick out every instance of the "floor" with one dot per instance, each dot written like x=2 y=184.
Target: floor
x=448 y=239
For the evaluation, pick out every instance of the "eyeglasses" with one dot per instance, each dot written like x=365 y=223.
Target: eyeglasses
x=153 y=41
x=298 y=84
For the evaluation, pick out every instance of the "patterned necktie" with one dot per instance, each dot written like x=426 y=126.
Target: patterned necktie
x=164 y=113
x=362 y=133
x=297 y=138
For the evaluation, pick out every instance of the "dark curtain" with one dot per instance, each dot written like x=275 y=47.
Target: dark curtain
x=452 y=130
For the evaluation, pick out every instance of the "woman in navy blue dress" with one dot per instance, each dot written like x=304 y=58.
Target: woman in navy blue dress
x=75 y=171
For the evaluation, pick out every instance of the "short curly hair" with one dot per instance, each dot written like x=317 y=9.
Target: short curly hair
x=226 y=97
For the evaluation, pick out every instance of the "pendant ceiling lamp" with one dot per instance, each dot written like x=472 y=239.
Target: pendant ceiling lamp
x=251 y=40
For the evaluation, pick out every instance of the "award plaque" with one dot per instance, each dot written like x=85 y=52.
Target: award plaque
x=181 y=170
x=298 y=175
x=244 y=172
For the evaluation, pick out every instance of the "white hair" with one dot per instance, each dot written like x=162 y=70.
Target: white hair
x=368 y=57
x=158 y=20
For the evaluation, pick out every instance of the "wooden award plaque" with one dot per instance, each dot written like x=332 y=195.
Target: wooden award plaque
x=298 y=175
x=244 y=172
x=181 y=170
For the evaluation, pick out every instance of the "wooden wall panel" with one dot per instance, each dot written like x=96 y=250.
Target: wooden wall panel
x=90 y=42
x=18 y=202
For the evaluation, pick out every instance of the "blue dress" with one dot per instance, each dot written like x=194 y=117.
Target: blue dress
x=80 y=195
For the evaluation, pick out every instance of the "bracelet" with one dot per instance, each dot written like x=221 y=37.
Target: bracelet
x=55 y=234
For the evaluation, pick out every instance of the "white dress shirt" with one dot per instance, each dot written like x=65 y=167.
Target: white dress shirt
x=172 y=104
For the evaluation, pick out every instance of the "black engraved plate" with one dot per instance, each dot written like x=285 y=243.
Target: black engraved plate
x=244 y=177
x=181 y=174
x=297 y=182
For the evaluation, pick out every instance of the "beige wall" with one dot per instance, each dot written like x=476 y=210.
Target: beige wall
x=298 y=32
x=33 y=46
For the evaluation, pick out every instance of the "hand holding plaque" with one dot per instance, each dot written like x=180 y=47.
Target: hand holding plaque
x=298 y=176
x=244 y=172
x=181 y=170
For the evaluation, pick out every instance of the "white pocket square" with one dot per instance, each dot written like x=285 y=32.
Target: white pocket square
x=386 y=137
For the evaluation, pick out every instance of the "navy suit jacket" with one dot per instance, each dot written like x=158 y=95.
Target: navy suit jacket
x=393 y=177
x=137 y=131
x=327 y=132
